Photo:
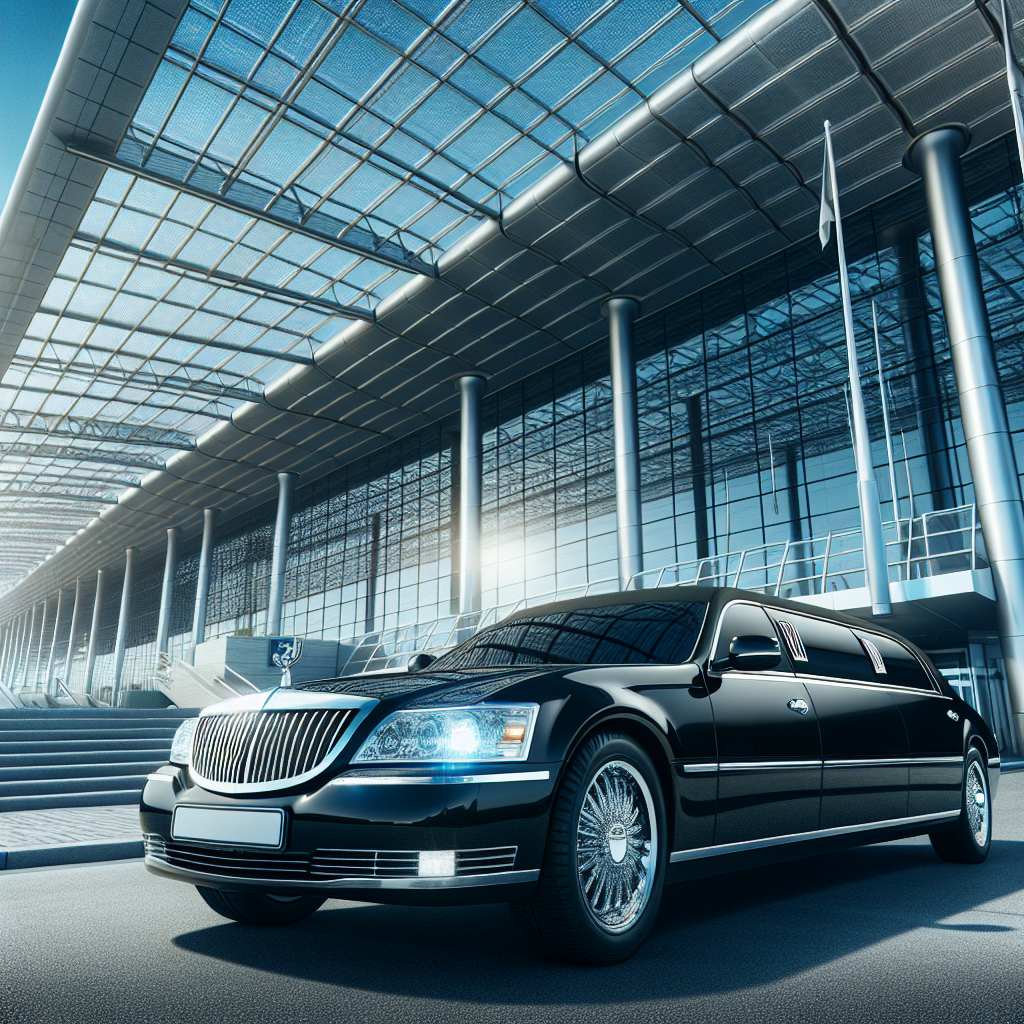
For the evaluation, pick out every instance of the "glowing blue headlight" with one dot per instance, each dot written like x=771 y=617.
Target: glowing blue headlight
x=181 y=745
x=484 y=732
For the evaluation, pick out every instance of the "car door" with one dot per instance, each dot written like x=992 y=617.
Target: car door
x=863 y=742
x=769 y=750
x=934 y=731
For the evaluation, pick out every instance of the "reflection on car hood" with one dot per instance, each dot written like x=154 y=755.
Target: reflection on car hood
x=430 y=689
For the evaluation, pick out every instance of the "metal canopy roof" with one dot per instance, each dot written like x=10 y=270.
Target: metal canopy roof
x=347 y=175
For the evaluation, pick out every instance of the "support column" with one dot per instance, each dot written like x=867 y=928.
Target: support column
x=5 y=657
x=94 y=630
x=76 y=611
x=203 y=582
x=622 y=312
x=51 y=661
x=19 y=646
x=471 y=486
x=163 y=626
x=122 y=623
x=936 y=157
x=28 y=650
x=924 y=376
x=279 y=559
x=39 y=646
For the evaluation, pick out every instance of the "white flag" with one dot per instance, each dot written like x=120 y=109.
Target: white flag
x=826 y=215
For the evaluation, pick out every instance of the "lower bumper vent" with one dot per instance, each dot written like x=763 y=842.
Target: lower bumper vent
x=322 y=866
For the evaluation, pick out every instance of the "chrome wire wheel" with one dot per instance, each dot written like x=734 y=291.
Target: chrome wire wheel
x=976 y=799
x=616 y=846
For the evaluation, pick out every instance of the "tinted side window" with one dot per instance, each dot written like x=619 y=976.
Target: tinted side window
x=746 y=620
x=832 y=650
x=901 y=667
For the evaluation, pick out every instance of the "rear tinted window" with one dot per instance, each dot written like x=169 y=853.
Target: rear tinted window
x=901 y=667
x=618 y=634
x=832 y=650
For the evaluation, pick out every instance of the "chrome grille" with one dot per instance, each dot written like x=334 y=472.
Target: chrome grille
x=254 y=747
x=324 y=865
x=288 y=867
x=328 y=863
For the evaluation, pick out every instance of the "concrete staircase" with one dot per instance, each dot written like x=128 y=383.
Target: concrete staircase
x=81 y=757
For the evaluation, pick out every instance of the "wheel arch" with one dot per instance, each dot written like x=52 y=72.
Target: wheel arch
x=650 y=737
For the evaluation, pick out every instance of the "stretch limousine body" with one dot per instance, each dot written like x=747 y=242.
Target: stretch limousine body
x=572 y=760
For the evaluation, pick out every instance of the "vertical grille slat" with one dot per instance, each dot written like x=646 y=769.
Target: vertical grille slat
x=257 y=747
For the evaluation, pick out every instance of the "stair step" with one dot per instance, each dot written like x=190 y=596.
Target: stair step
x=38 y=787
x=45 y=735
x=99 y=714
x=70 y=746
x=79 y=771
x=45 y=802
x=84 y=756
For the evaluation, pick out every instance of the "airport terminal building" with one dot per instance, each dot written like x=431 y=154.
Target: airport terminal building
x=367 y=322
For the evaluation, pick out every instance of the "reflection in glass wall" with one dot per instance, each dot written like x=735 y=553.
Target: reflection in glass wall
x=744 y=431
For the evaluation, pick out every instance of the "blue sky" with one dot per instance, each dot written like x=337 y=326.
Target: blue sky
x=31 y=35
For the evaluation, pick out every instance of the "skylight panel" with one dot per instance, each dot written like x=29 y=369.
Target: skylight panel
x=232 y=52
x=237 y=131
x=476 y=81
x=129 y=228
x=275 y=75
x=440 y=115
x=192 y=31
x=624 y=24
x=160 y=95
x=475 y=19
x=560 y=76
x=519 y=44
x=304 y=32
x=356 y=62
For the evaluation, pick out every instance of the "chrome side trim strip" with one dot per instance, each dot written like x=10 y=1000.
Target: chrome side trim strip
x=798 y=837
x=993 y=762
x=755 y=766
x=696 y=769
x=886 y=762
x=435 y=780
x=449 y=882
x=159 y=777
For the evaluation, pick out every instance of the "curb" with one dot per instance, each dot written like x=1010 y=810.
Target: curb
x=69 y=853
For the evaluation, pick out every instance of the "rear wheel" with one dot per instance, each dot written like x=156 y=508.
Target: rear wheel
x=604 y=866
x=259 y=908
x=968 y=839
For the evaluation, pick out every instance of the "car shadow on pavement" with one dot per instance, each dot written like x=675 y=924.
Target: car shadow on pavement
x=717 y=934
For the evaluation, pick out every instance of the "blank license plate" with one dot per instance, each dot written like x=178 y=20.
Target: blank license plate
x=229 y=826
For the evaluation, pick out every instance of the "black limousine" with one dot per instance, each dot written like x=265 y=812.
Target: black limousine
x=570 y=761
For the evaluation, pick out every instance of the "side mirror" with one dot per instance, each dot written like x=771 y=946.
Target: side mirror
x=751 y=653
x=418 y=662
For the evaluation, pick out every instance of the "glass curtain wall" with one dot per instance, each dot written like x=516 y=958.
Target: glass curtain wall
x=744 y=431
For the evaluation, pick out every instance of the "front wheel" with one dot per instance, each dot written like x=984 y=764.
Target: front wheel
x=968 y=839
x=259 y=908
x=604 y=867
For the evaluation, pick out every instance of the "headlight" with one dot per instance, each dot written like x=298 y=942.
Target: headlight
x=485 y=732
x=181 y=745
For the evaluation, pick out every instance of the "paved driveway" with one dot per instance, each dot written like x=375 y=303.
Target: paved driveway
x=884 y=933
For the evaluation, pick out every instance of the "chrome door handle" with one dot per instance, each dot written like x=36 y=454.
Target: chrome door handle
x=799 y=706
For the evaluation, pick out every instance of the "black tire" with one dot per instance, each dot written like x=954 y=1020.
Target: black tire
x=968 y=839
x=259 y=908
x=561 y=921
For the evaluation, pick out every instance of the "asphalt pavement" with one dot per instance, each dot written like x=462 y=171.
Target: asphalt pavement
x=882 y=933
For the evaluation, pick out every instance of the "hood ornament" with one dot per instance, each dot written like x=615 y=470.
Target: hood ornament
x=284 y=652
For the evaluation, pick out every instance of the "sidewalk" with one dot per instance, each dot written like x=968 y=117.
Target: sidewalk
x=69 y=835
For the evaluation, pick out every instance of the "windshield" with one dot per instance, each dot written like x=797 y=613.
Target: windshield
x=618 y=634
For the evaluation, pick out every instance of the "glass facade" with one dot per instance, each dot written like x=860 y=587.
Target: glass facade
x=744 y=433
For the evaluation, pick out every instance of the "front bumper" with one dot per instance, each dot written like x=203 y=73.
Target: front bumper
x=358 y=836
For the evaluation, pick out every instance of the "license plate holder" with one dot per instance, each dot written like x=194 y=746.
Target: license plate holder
x=230 y=826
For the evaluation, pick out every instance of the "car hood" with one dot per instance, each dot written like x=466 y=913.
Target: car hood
x=428 y=689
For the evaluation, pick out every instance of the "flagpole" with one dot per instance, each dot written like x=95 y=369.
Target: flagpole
x=1012 y=83
x=885 y=416
x=876 y=565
